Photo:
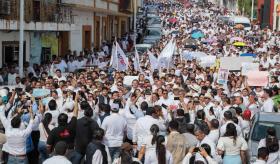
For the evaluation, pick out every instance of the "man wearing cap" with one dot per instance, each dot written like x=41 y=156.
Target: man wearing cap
x=115 y=127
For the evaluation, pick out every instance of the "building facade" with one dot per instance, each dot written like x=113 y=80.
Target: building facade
x=52 y=27
x=269 y=14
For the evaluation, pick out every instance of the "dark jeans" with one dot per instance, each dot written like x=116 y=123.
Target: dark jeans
x=75 y=157
x=114 y=152
x=17 y=160
x=42 y=148
x=33 y=156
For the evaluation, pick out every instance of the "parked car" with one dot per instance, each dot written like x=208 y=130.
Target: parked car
x=260 y=123
x=152 y=34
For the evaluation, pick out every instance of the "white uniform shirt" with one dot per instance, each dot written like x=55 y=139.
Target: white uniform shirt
x=151 y=158
x=114 y=126
x=223 y=128
x=273 y=158
x=267 y=105
x=57 y=159
x=214 y=135
x=142 y=128
x=227 y=145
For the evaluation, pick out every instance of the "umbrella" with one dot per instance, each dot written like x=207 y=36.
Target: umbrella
x=197 y=35
x=239 y=26
x=239 y=44
x=249 y=54
x=234 y=39
x=195 y=31
x=172 y=20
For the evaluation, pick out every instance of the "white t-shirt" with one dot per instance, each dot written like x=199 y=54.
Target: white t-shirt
x=57 y=159
x=227 y=145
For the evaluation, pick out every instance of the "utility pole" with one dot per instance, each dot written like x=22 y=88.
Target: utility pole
x=135 y=21
x=252 y=10
x=21 y=37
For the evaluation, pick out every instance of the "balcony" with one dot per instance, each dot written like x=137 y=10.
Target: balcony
x=38 y=15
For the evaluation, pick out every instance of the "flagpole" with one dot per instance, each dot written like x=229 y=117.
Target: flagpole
x=116 y=53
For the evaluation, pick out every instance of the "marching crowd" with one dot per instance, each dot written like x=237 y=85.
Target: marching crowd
x=168 y=115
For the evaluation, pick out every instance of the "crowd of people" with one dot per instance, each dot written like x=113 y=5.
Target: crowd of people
x=173 y=115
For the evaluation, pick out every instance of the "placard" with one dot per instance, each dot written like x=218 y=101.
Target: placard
x=246 y=67
x=41 y=92
x=257 y=78
x=127 y=80
x=222 y=76
x=234 y=63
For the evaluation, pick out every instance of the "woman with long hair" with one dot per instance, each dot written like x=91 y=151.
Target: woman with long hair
x=160 y=155
x=149 y=142
x=45 y=128
x=232 y=147
x=272 y=144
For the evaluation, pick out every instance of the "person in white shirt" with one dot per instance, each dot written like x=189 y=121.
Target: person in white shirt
x=59 y=157
x=262 y=156
x=44 y=128
x=228 y=119
x=271 y=142
x=203 y=155
x=72 y=65
x=232 y=146
x=96 y=151
x=204 y=139
x=160 y=154
x=115 y=127
x=61 y=65
x=16 y=135
x=143 y=125
x=268 y=104
x=214 y=133
x=12 y=77
x=59 y=76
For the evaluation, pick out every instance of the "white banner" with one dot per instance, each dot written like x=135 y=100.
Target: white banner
x=234 y=63
x=246 y=67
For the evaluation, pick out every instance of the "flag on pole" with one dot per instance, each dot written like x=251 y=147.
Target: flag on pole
x=113 y=57
x=122 y=60
x=136 y=62
x=166 y=54
x=153 y=61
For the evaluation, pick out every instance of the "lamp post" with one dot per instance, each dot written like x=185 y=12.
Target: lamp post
x=21 y=36
x=252 y=10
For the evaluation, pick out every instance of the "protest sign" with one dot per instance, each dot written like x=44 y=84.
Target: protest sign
x=41 y=92
x=127 y=80
x=246 y=67
x=222 y=76
x=234 y=63
x=207 y=61
x=257 y=78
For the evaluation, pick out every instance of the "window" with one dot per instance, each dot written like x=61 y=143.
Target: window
x=259 y=131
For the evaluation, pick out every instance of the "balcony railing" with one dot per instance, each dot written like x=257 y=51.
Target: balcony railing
x=37 y=11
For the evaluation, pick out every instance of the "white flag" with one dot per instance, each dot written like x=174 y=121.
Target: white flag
x=153 y=61
x=166 y=54
x=113 y=57
x=136 y=62
x=122 y=60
